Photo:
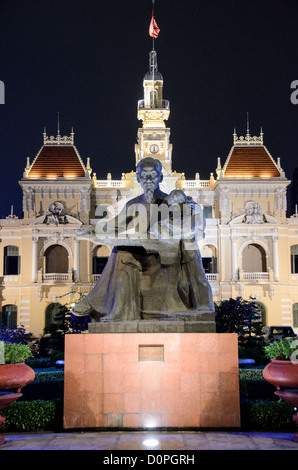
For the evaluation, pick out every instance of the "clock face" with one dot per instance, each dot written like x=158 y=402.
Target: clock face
x=154 y=148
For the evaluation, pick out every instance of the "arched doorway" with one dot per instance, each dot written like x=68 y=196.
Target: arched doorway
x=254 y=259
x=51 y=311
x=262 y=311
x=56 y=257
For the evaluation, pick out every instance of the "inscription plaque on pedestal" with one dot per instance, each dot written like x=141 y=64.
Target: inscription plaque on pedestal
x=151 y=353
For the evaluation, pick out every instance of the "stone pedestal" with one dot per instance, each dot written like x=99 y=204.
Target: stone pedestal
x=144 y=380
x=191 y=323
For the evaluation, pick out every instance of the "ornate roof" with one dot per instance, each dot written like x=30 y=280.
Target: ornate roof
x=58 y=158
x=249 y=158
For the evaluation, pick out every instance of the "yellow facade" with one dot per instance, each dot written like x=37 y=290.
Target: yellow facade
x=250 y=247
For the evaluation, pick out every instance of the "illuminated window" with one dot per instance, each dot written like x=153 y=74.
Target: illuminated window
x=8 y=316
x=12 y=261
x=294 y=259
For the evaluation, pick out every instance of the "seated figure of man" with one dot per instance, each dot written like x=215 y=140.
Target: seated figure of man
x=155 y=268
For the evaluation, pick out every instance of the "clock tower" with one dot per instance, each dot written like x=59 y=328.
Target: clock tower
x=153 y=110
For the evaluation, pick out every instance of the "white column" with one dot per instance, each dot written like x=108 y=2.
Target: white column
x=275 y=258
x=76 y=260
x=34 y=258
x=234 y=259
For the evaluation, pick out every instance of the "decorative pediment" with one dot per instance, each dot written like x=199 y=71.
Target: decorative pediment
x=253 y=214
x=56 y=215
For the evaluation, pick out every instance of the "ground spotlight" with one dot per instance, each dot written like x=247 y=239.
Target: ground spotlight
x=150 y=442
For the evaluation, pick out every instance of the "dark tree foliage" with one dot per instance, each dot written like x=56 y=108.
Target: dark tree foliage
x=64 y=323
x=238 y=316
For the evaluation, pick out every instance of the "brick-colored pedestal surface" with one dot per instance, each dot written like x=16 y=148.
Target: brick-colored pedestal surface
x=140 y=380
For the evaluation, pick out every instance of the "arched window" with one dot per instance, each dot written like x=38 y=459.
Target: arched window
x=51 y=311
x=262 y=311
x=11 y=260
x=209 y=259
x=8 y=316
x=153 y=99
x=295 y=315
x=294 y=259
x=100 y=258
x=254 y=259
x=56 y=259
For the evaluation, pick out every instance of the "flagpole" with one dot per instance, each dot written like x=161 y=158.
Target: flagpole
x=153 y=93
x=153 y=2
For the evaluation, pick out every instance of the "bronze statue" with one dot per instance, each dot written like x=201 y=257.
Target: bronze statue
x=155 y=270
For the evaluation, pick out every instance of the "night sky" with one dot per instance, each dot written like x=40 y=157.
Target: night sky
x=86 y=59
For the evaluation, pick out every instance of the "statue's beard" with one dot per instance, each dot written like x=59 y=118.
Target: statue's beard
x=148 y=195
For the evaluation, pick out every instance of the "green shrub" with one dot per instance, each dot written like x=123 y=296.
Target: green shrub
x=16 y=352
x=282 y=349
x=48 y=375
x=251 y=374
x=267 y=415
x=30 y=416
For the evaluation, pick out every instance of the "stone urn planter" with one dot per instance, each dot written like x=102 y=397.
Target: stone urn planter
x=14 y=374
x=282 y=372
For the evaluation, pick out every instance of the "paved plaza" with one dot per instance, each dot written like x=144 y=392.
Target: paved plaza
x=157 y=441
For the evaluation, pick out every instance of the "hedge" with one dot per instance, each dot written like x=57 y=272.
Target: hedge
x=41 y=415
x=29 y=416
x=267 y=415
x=41 y=407
x=43 y=390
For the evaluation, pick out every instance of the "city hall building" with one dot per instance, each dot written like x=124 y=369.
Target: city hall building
x=250 y=247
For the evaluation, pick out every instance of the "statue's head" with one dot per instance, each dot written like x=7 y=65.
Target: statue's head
x=149 y=175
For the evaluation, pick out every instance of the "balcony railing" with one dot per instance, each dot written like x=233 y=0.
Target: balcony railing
x=256 y=276
x=248 y=276
x=108 y=183
x=55 y=277
x=196 y=183
x=212 y=277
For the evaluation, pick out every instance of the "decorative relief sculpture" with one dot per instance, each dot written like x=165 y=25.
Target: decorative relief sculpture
x=155 y=270
x=56 y=214
x=253 y=213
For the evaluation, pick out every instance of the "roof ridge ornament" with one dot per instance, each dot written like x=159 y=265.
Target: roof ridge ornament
x=59 y=140
x=248 y=140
